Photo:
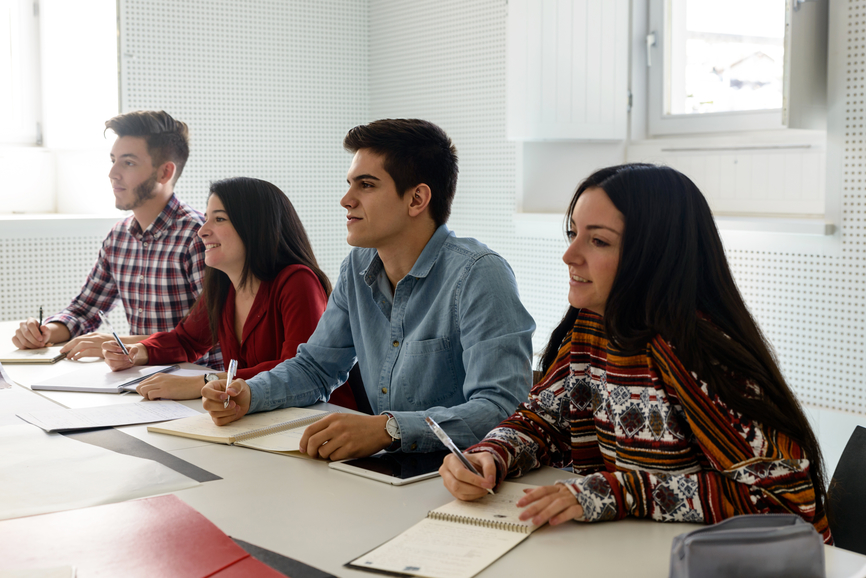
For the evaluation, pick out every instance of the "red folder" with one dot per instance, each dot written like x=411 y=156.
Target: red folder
x=160 y=536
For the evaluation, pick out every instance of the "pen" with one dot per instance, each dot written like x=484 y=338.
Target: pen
x=116 y=338
x=443 y=437
x=233 y=367
x=40 y=316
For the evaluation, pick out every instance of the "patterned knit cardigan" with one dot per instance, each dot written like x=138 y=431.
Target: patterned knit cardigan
x=649 y=439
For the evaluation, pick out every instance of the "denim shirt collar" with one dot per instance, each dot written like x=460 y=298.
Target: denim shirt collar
x=422 y=265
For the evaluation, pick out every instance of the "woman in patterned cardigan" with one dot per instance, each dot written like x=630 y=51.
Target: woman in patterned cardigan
x=658 y=388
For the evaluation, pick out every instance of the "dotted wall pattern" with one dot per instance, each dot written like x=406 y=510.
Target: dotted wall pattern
x=47 y=272
x=269 y=89
x=810 y=307
x=454 y=75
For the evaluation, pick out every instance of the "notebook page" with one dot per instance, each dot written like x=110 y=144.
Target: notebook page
x=284 y=441
x=202 y=426
x=439 y=549
x=499 y=509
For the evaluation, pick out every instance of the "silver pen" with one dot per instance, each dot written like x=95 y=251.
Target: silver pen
x=443 y=437
x=108 y=326
x=233 y=368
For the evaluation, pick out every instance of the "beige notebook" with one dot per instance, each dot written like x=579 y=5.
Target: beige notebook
x=276 y=431
x=457 y=540
x=42 y=355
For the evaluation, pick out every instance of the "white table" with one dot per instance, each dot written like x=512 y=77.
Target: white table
x=325 y=518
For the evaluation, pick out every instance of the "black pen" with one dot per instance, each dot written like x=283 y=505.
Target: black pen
x=40 y=316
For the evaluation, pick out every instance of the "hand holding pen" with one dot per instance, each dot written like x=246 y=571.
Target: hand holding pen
x=233 y=369
x=108 y=326
x=464 y=462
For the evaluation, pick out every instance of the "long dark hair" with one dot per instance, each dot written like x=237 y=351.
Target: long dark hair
x=672 y=268
x=273 y=239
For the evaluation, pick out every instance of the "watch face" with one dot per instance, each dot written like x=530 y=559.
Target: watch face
x=211 y=377
x=392 y=428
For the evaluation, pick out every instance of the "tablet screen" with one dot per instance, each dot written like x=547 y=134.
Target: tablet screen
x=399 y=465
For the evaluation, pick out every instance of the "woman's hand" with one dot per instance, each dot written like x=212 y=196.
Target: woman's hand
x=117 y=359
x=168 y=386
x=555 y=504
x=462 y=483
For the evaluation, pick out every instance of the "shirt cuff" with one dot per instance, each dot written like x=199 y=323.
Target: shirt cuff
x=595 y=496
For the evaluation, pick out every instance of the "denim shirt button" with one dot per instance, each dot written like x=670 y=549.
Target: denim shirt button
x=396 y=343
x=384 y=390
x=414 y=447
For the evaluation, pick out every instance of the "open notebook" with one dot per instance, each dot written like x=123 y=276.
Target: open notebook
x=98 y=378
x=276 y=431
x=457 y=540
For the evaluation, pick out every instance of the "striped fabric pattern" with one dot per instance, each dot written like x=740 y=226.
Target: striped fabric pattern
x=157 y=274
x=649 y=439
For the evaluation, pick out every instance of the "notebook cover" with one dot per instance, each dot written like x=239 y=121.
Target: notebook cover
x=160 y=536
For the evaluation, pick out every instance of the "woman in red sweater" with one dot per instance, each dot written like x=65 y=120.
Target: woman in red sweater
x=263 y=293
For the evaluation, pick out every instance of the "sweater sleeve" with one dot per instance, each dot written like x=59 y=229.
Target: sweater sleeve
x=750 y=469
x=539 y=432
x=301 y=301
x=187 y=342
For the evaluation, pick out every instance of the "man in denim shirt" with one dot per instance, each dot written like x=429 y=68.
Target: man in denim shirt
x=434 y=321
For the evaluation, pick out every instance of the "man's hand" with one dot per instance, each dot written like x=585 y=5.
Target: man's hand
x=463 y=484
x=555 y=504
x=87 y=345
x=340 y=436
x=213 y=397
x=31 y=335
x=167 y=386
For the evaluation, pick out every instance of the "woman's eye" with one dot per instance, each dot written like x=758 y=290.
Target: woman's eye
x=599 y=243
x=219 y=219
x=570 y=235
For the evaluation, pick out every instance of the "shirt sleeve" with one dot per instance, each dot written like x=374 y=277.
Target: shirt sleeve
x=187 y=342
x=496 y=335
x=301 y=303
x=320 y=366
x=538 y=433
x=99 y=292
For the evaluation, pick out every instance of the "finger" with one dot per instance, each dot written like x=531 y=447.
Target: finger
x=214 y=390
x=457 y=488
x=572 y=513
x=461 y=474
x=557 y=506
x=32 y=332
x=224 y=417
x=536 y=494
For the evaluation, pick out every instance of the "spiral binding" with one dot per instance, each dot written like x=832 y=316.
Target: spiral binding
x=277 y=428
x=495 y=524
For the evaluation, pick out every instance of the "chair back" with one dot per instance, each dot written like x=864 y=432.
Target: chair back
x=846 y=497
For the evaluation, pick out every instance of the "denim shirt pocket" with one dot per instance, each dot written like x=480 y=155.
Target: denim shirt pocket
x=428 y=373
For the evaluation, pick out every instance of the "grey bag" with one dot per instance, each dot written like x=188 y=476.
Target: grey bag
x=759 y=546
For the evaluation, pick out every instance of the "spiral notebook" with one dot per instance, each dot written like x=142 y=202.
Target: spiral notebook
x=276 y=431
x=457 y=540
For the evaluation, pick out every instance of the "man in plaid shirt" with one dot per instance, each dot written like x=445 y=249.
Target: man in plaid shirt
x=153 y=260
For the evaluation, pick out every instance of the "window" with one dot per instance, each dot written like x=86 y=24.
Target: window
x=58 y=85
x=19 y=73
x=728 y=66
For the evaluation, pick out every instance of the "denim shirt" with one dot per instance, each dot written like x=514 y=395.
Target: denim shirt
x=454 y=345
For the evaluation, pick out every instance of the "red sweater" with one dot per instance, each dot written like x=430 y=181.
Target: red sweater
x=284 y=314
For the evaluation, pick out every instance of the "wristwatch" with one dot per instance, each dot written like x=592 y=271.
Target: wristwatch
x=392 y=428
x=209 y=377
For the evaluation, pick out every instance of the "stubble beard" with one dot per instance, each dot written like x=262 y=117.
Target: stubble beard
x=142 y=193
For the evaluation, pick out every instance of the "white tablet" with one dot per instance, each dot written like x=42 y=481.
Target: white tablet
x=397 y=469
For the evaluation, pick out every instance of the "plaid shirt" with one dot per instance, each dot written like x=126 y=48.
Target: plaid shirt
x=157 y=274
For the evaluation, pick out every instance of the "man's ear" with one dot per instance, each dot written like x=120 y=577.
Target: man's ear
x=165 y=172
x=419 y=199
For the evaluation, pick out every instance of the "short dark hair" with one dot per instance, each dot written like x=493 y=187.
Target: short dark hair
x=272 y=234
x=415 y=151
x=167 y=139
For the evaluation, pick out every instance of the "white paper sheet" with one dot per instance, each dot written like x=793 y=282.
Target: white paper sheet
x=45 y=472
x=98 y=377
x=5 y=381
x=106 y=416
